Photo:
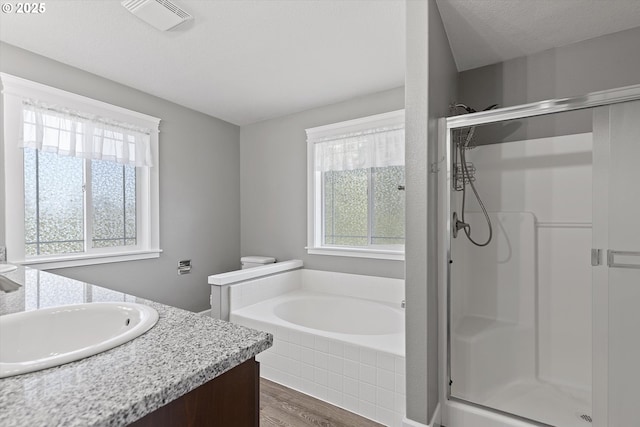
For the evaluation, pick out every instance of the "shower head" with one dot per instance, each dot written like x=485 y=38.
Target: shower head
x=469 y=110
x=463 y=106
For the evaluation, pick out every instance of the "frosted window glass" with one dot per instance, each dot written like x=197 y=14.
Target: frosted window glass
x=346 y=207
x=54 y=213
x=388 y=206
x=54 y=291
x=99 y=294
x=130 y=205
x=114 y=204
x=54 y=204
x=43 y=291
x=30 y=203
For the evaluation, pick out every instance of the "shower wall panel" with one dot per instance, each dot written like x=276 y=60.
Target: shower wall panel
x=549 y=178
x=493 y=336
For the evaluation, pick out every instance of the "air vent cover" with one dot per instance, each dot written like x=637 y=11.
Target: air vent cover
x=161 y=14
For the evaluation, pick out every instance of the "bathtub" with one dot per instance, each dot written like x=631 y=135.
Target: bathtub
x=329 y=342
x=370 y=324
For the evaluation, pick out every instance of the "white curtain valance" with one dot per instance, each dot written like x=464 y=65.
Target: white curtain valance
x=59 y=130
x=380 y=147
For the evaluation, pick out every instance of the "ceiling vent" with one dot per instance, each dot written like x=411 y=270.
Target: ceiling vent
x=161 y=14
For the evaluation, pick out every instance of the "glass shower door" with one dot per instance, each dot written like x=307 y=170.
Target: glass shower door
x=520 y=306
x=617 y=278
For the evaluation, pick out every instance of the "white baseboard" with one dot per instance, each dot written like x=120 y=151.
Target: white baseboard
x=406 y=422
x=435 y=420
x=205 y=313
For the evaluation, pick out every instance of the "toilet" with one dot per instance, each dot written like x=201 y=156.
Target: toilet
x=255 y=261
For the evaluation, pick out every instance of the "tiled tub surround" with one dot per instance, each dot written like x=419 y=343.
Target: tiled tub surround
x=344 y=362
x=181 y=352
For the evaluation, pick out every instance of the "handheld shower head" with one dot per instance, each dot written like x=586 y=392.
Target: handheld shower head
x=463 y=174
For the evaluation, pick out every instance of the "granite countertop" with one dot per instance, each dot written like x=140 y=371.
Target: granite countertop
x=181 y=352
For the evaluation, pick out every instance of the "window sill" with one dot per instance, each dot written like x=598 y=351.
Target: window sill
x=53 y=262
x=358 y=253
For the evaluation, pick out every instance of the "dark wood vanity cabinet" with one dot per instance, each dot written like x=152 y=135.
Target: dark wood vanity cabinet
x=229 y=400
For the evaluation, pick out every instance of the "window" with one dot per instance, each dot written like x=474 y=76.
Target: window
x=81 y=183
x=55 y=210
x=356 y=187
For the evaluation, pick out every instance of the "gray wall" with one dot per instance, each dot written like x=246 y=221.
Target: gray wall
x=443 y=90
x=601 y=63
x=2 y=178
x=430 y=88
x=199 y=188
x=273 y=171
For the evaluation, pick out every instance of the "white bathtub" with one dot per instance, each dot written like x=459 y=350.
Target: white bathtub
x=371 y=324
x=329 y=344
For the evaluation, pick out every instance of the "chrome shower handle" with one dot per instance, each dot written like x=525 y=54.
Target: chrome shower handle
x=626 y=259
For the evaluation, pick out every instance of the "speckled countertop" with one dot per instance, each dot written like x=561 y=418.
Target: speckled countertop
x=181 y=352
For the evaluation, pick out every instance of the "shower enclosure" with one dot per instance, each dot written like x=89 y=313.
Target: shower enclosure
x=540 y=287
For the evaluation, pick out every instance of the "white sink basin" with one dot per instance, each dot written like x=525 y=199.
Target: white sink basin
x=39 y=339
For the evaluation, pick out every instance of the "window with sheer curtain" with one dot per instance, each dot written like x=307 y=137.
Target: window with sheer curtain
x=356 y=187
x=87 y=190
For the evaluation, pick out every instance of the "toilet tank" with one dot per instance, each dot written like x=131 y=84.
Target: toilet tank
x=255 y=261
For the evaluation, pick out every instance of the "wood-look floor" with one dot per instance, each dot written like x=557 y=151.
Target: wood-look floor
x=282 y=407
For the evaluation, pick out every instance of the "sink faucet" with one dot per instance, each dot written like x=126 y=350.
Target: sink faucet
x=7 y=285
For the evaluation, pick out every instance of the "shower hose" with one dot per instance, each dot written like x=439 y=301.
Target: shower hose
x=466 y=178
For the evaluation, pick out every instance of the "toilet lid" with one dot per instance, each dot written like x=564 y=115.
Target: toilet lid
x=258 y=259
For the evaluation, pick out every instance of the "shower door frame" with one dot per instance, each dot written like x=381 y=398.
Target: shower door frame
x=444 y=173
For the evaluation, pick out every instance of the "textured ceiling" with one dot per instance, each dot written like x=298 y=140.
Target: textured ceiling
x=248 y=60
x=483 y=32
